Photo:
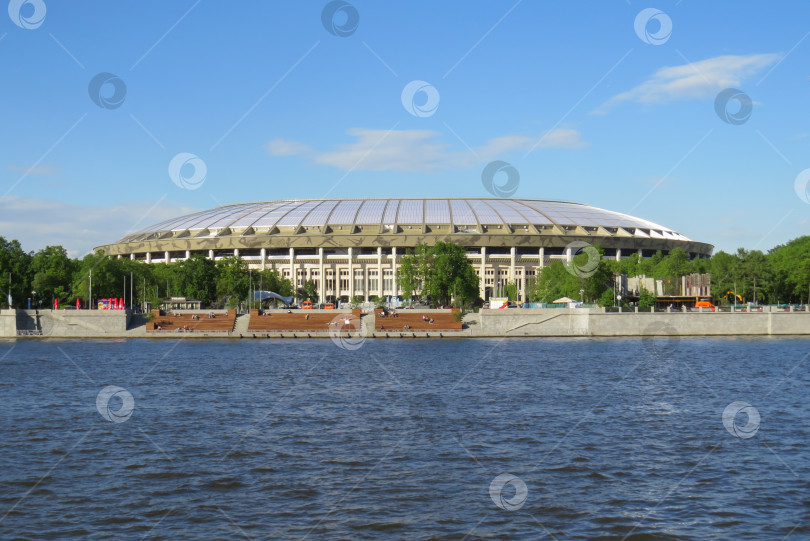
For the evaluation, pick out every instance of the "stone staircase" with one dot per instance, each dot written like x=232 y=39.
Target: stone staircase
x=241 y=326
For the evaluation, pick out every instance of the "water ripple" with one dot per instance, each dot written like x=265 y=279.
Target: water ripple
x=403 y=439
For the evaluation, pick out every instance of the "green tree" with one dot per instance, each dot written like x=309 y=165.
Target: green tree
x=164 y=282
x=15 y=273
x=408 y=276
x=414 y=269
x=756 y=275
x=441 y=272
x=646 y=299
x=790 y=266
x=553 y=282
x=140 y=280
x=724 y=270
x=629 y=266
x=271 y=280
x=567 y=280
x=648 y=266
x=197 y=278
x=511 y=291
x=448 y=274
x=105 y=273
x=607 y=298
x=233 y=280
x=308 y=291
x=597 y=283
x=52 y=272
x=671 y=268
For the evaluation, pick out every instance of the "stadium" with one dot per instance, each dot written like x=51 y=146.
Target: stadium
x=352 y=247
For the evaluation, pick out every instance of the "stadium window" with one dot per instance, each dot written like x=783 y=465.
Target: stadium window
x=373 y=280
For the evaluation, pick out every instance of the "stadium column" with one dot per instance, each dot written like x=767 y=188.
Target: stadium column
x=293 y=277
x=541 y=253
x=618 y=254
x=148 y=257
x=482 y=283
x=569 y=254
x=394 y=291
x=188 y=254
x=211 y=255
x=132 y=256
x=351 y=273
x=322 y=281
x=512 y=277
x=236 y=252
x=166 y=257
x=379 y=273
x=263 y=253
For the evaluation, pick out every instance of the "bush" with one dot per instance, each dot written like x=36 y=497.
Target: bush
x=646 y=299
x=607 y=298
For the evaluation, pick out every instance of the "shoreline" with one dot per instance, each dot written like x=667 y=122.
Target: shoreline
x=418 y=337
x=525 y=323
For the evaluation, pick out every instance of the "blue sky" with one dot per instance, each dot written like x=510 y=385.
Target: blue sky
x=276 y=106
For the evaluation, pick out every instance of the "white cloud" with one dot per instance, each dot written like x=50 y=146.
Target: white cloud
x=37 y=223
x=34 y=170
x=696 y=80
x=419 y=150
x=280 y=147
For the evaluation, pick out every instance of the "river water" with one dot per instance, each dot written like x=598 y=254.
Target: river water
x=405 y=439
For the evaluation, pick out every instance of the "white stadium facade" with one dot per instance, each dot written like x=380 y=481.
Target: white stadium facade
x=352 y=247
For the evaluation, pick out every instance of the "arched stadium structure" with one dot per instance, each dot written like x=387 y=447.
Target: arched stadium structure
x=352 y=247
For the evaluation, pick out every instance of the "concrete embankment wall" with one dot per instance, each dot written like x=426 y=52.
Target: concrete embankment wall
x=595 y=322
x=64 y=323
x=8 y=323
x=489 y=323
x=83 y=322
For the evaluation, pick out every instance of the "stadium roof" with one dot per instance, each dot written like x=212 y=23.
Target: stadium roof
x=396 y=212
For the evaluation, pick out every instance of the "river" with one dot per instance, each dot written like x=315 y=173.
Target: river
x=689 y=438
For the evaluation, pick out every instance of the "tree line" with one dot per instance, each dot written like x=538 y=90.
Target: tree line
x=50 y=274
x=781 y=275
x=440 y=272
